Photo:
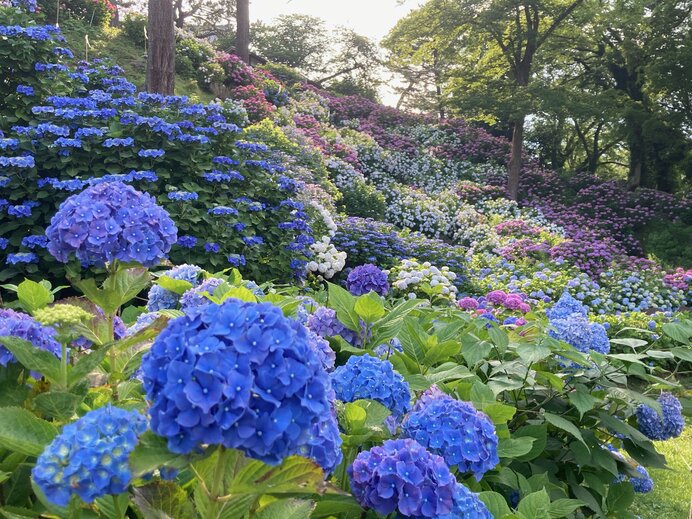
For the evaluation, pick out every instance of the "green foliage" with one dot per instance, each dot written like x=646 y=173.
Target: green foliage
x=97 y=13
x=362 y=199
x=670 y=243
x=134 y=27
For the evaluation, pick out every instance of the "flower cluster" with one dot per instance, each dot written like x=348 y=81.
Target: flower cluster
x=665 y=427
x=89 y=458
x=108 y=222
x=366 y=377
x=413 y=278
x=367 y=278
x=327 y=260
x=160 y=299
x=402 y=476
x=325 y=323
x=236 y=374
x=456 y=431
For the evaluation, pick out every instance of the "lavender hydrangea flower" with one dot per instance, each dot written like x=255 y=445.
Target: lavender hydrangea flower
x=90 y=456
x=325 y=324
x=456 y=431
x=365 y=278
x=236 y=374
x=108 y=222
x=195 y=296
x=369 y=377
x=656 y=427
x=402 y=476
x=467 y=505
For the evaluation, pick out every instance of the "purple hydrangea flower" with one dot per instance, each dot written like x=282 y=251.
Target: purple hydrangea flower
x=365 y=278
x=25 y=327
x=108 y=222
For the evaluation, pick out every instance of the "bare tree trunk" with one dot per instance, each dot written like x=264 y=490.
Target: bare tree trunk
x=514 y=172
x=161 y=55
x=242 y=41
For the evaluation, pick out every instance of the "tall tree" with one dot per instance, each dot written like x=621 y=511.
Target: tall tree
x=297 y=40
x=242 y=45
x=161 y=53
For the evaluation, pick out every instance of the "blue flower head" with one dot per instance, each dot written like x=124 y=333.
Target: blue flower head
x=643 y=484
x=401 y=476
x=195 y=296
x=25 y=327
x=581 y=333
x=565 y=307
x=656 y=427
x=111 y=221
x=325 y=324
x=456 y=431
x=467 y=505
x=365 y=278
x=239 y=375
x=160 y=299
x=369 y=377
x=90 y=456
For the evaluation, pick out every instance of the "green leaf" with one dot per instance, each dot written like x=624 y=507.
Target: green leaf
x=620 y=497
x=33 y=296
x=540 y=435
x=296 y=475
x=535 y=506
x=563 y=507
x=241 y=293
x=106 y=505
x=565 y=425
x=496 y=504
x=441 y=352
x=58 y=405
x=152 y=453
x=369 y=307
x=474 y=350
x=34 y=359
x=582 y=400
x=178 y=286
x=23 y=432
x=286 y=509
x=118 y=288
x=354 y=417
x=86 y=365
x=533 y=352
x=163 y=499
x=499 y=337
x=499 y=413
x=514 y=447
x=678 y=332
x=344 y=305
x=481 y=395
x=376 y=413
x=331 y=505
x=683 y=353
x=413 y=340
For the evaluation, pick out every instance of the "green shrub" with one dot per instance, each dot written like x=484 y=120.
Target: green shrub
x=134 y=26
x=92 y=12
x=363 y=199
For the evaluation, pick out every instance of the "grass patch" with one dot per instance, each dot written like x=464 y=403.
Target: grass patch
x=672 y=492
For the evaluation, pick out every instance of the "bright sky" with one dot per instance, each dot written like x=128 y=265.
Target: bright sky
x=372 y=18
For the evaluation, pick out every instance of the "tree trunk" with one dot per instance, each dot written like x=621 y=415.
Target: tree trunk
x=161 y=55
x=514 y=172
x=242 y=39
x=637 y=151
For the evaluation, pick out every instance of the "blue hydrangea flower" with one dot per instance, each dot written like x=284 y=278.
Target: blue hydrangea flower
x=160 y=299
x=581 y=333
x=324 y=443
x=21 y=257
x=387 y=350
x=236 y=374
x=456 y=431
x=565 y=307
x=195 y=296
x=656 y=427
x=143 y=320
x=643 y=484
x=467 y=505
x=402 y=476
x=187 y=242
x=89 y=457
x=25 y=327
x=368 y=377
x=108 y=222
x=365 y=278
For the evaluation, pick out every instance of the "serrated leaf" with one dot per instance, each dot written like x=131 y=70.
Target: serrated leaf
x=23 y=432
x=369 y=307
x=152 y=453
x=163 y=499
x=535 y=506
x=33 y=296
x=533 y=352
x=441 y=352
x=514 y=447
x=499 y=413
x=563 y=507
x=34 y=359
x=343 y=303
x=296 y=475
x=582 y=400
x=177 y=286
x=565 y=425
x=496 y=504
x=286 y=509
x=58 y=405
x=620 y=497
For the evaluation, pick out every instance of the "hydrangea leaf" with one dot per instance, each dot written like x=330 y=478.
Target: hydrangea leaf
x=59 y=405
x=179 y=286
x=496 y=503
x=33 y=358
x=344 y=304
x=565 y=425
x=582 y=400
x=563 y=507
x=286 y=509
x=163 y=497
x=514 y=447
x=33 y=296
x=369 y=307
x=23 y=432
x=620 y=497
x=535 y=506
